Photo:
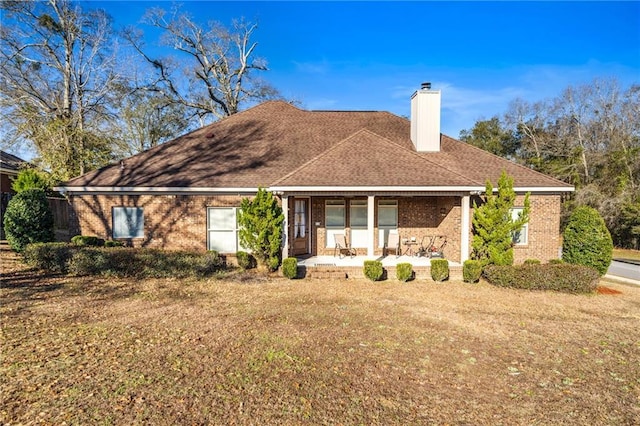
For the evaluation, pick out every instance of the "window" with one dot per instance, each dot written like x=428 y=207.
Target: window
x=358 y=223
x=520 y=237
x=128 y=222
x=300 y=219
x=334 y=220
x=387 y=219
x=222 y=229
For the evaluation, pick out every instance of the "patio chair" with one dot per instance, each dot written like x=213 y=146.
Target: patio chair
x=342 y=248
x=393 y=243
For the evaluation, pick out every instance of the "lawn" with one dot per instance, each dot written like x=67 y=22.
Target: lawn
x=626 y=254
x=257 y=350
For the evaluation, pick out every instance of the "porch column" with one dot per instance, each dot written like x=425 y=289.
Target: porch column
x=464 y=228
x=285 y=227
x=371 y=205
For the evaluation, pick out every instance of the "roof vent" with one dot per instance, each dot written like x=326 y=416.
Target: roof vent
x=426 y=85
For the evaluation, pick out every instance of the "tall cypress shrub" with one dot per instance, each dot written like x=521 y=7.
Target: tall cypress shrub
x=28 y=219
x=493 y=225
x=260 y=231
x=587 y=241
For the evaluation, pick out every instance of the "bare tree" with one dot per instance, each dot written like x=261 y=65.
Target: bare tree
x=220 y=65
x=56 y=66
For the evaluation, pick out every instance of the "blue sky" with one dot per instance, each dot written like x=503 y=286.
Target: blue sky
x=482 y=55
x=369 y=55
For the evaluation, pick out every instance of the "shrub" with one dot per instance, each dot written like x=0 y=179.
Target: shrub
x=373 y=269
x=493 y=225
x=260 y=222
x=28 y=219
x=31 y=178
x=531 y=262
x=404 y=271
x=471 y=271
x=439 y=269
x=113 y=243
x=86 y=240
x=290 y=267
x=587 y=241
x=51 y=257
x=556 y=261
x=564 y=278
x=89 y=261
x=245 y=260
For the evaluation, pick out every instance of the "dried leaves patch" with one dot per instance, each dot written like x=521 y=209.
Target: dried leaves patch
x=273 y=351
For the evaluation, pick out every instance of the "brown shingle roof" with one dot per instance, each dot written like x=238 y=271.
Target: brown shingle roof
x=277 y=143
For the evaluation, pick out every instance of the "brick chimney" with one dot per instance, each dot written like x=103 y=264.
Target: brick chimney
x=425 y=119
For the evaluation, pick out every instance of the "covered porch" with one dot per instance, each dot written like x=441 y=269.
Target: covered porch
x=313 y=221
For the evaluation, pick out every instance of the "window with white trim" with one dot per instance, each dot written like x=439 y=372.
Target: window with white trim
x=334 y=220
x=521 y=236
x=128 y=222
x=222 y=229
x=358 y=223
x=387 y=219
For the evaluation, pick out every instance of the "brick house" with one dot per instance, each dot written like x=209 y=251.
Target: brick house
x=361 y=173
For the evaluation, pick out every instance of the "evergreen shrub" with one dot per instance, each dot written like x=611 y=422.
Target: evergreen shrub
x=471 y=271
x=87 y=240
x=404 y=271
x=290 y=267
x=51 y=257
x=587 y=241
x=439 y=269
x=564 y=278
x=373 y=270
x=245 y=260
x=28 y=219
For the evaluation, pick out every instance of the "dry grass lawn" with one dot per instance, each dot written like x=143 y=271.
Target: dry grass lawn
x=255 y=350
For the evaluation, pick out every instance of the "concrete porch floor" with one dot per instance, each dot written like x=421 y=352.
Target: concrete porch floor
x=387 y=261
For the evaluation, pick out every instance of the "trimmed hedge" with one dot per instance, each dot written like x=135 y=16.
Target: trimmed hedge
x=566 y=278
x=471 y=271
x=87 y=240
x=51 y=257
x=125 y=262
x=404 y=271
x=532 y=262
x=373 y=269
x=290 y=267
x=439 y=269
x=587 y=241
x=28 y=219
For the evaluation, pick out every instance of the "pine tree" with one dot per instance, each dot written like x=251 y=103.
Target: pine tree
x=493 y=225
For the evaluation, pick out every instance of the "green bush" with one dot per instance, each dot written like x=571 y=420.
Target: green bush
x=439 y=269
x=260 y=221
x=51 y=257
x=373 y=269
x=565 y=278
x=90 y=261
x=556 y=261
x=246 y=260
x=404 y=271
x=290 y=267
x=471 y=271
x=87 y=240
x=113 y=243
x=127 y=262
x=587 y=241
x=28 y=219
x=532 y=262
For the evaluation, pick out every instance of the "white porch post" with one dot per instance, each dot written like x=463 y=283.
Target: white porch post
x=371 y=229
x=285 y=227
x=464 y=228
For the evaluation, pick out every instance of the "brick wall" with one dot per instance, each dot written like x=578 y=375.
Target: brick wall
x=173 y=222
x=544 y=239
x=180 y=221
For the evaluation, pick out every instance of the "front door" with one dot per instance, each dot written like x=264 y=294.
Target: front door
x=301 y=227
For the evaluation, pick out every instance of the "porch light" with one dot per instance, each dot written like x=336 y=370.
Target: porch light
x=443 y=211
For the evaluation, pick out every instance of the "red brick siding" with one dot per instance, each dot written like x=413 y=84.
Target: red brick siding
x=173 y=222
